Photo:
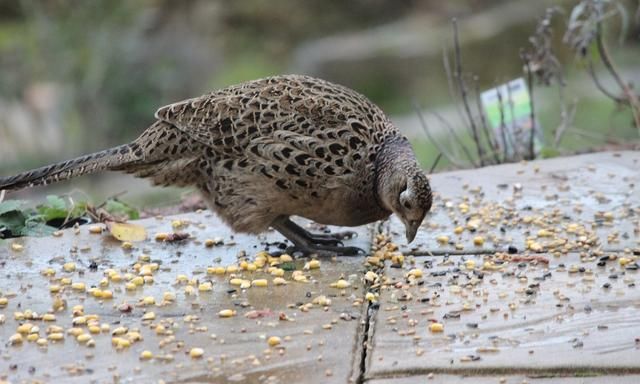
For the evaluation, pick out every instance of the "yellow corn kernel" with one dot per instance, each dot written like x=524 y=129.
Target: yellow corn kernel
x=260 y=283
x=169 y=296
x=312 y=264
x=17 y=247
x=15 y=339
x=443 y=239
x=205 y=287
x=146 y=355
x=149 y=316
x=273 y=341
x=478 y=241
x=83 y=337
x=436 y=327
x=341 y=284
x=416 y=272
x=196 y=353
x=69 y=267
x=49 y=317
x=227 y=313
x=95 y=229
x=56 y=336
x=78 y=287
x=279 y=281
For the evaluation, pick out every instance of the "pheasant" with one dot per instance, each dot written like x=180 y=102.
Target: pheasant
x=262 y=151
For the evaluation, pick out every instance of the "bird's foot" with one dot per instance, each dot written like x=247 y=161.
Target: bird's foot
x=325 y=250
x=334 y=239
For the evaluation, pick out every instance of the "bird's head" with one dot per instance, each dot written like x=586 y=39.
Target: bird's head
x=403 y=188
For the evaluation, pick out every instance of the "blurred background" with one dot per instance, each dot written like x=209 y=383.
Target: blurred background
x=78 y=76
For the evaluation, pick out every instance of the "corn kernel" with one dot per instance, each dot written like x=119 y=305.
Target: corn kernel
x=69 y=267
x=227 y=313
x=95 y=229
x=478 y=241
x=169 y=296
x=56 y=336
x=285 y=258
x=340 y=284
x=146 y=355
x=436 y=327
x=205 y=287
x=148 y=300
x=15 y=339
x=17 y=247
x=260 y=283
x=83 y=337
x=4 y=301
x=149 y=316
x=416 y=272
x=78 y=287
x=49 y=317
x=273 y=341
x=196 y=353
x=443 y=239
x=127 y=245
x=469 y=264
x=279 y=281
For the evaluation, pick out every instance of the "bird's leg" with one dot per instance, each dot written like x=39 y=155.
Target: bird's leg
x=319 y=238
x=307 y=243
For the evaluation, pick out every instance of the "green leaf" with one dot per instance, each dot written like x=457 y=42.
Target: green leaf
x=118 y=208
x=36 y=228
x=10 y=205
x=55 y=208
x=13 y=221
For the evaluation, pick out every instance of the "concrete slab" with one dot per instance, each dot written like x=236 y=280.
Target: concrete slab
x=504 y=315
x=560 y=204
x=518 y=379
x=318 y=342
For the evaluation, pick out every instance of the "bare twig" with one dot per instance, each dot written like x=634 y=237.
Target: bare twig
x=527 y=62
x=567 y=117
x=630 y=95
x=463 y=90
x=512 y=131
x=435 y=163
x=592 y=72
x=425 y=128
x=456 y=138
x=502 y=125
x=485 y=127
x=451 y=85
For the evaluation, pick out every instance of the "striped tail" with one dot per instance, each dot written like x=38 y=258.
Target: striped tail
x=109 y=159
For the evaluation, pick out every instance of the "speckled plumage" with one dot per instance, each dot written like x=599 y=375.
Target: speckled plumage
x=269 y=149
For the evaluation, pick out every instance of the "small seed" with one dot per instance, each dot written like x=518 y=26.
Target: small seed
x=196 y=353
x=436 y=327
x=260 y=283
x=227 y=313
x=273 y=341
x=146 y=355
x=341 y=284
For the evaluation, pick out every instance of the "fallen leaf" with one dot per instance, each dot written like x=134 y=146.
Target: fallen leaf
x=127 y=231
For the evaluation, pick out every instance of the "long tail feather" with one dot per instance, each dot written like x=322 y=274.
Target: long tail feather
x=109 y=159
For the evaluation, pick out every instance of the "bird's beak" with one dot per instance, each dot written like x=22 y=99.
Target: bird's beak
x=412 y=229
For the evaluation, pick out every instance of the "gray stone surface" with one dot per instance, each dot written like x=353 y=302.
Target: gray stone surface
x=319 y=345
x=511 y=202
x=508 y=379
x=571 y=309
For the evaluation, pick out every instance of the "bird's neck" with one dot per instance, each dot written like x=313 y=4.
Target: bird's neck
x=393 y=162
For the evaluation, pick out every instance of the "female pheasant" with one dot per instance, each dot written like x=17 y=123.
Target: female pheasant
x=265 y=150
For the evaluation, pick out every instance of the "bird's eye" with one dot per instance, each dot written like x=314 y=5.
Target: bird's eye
x=407 y=205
